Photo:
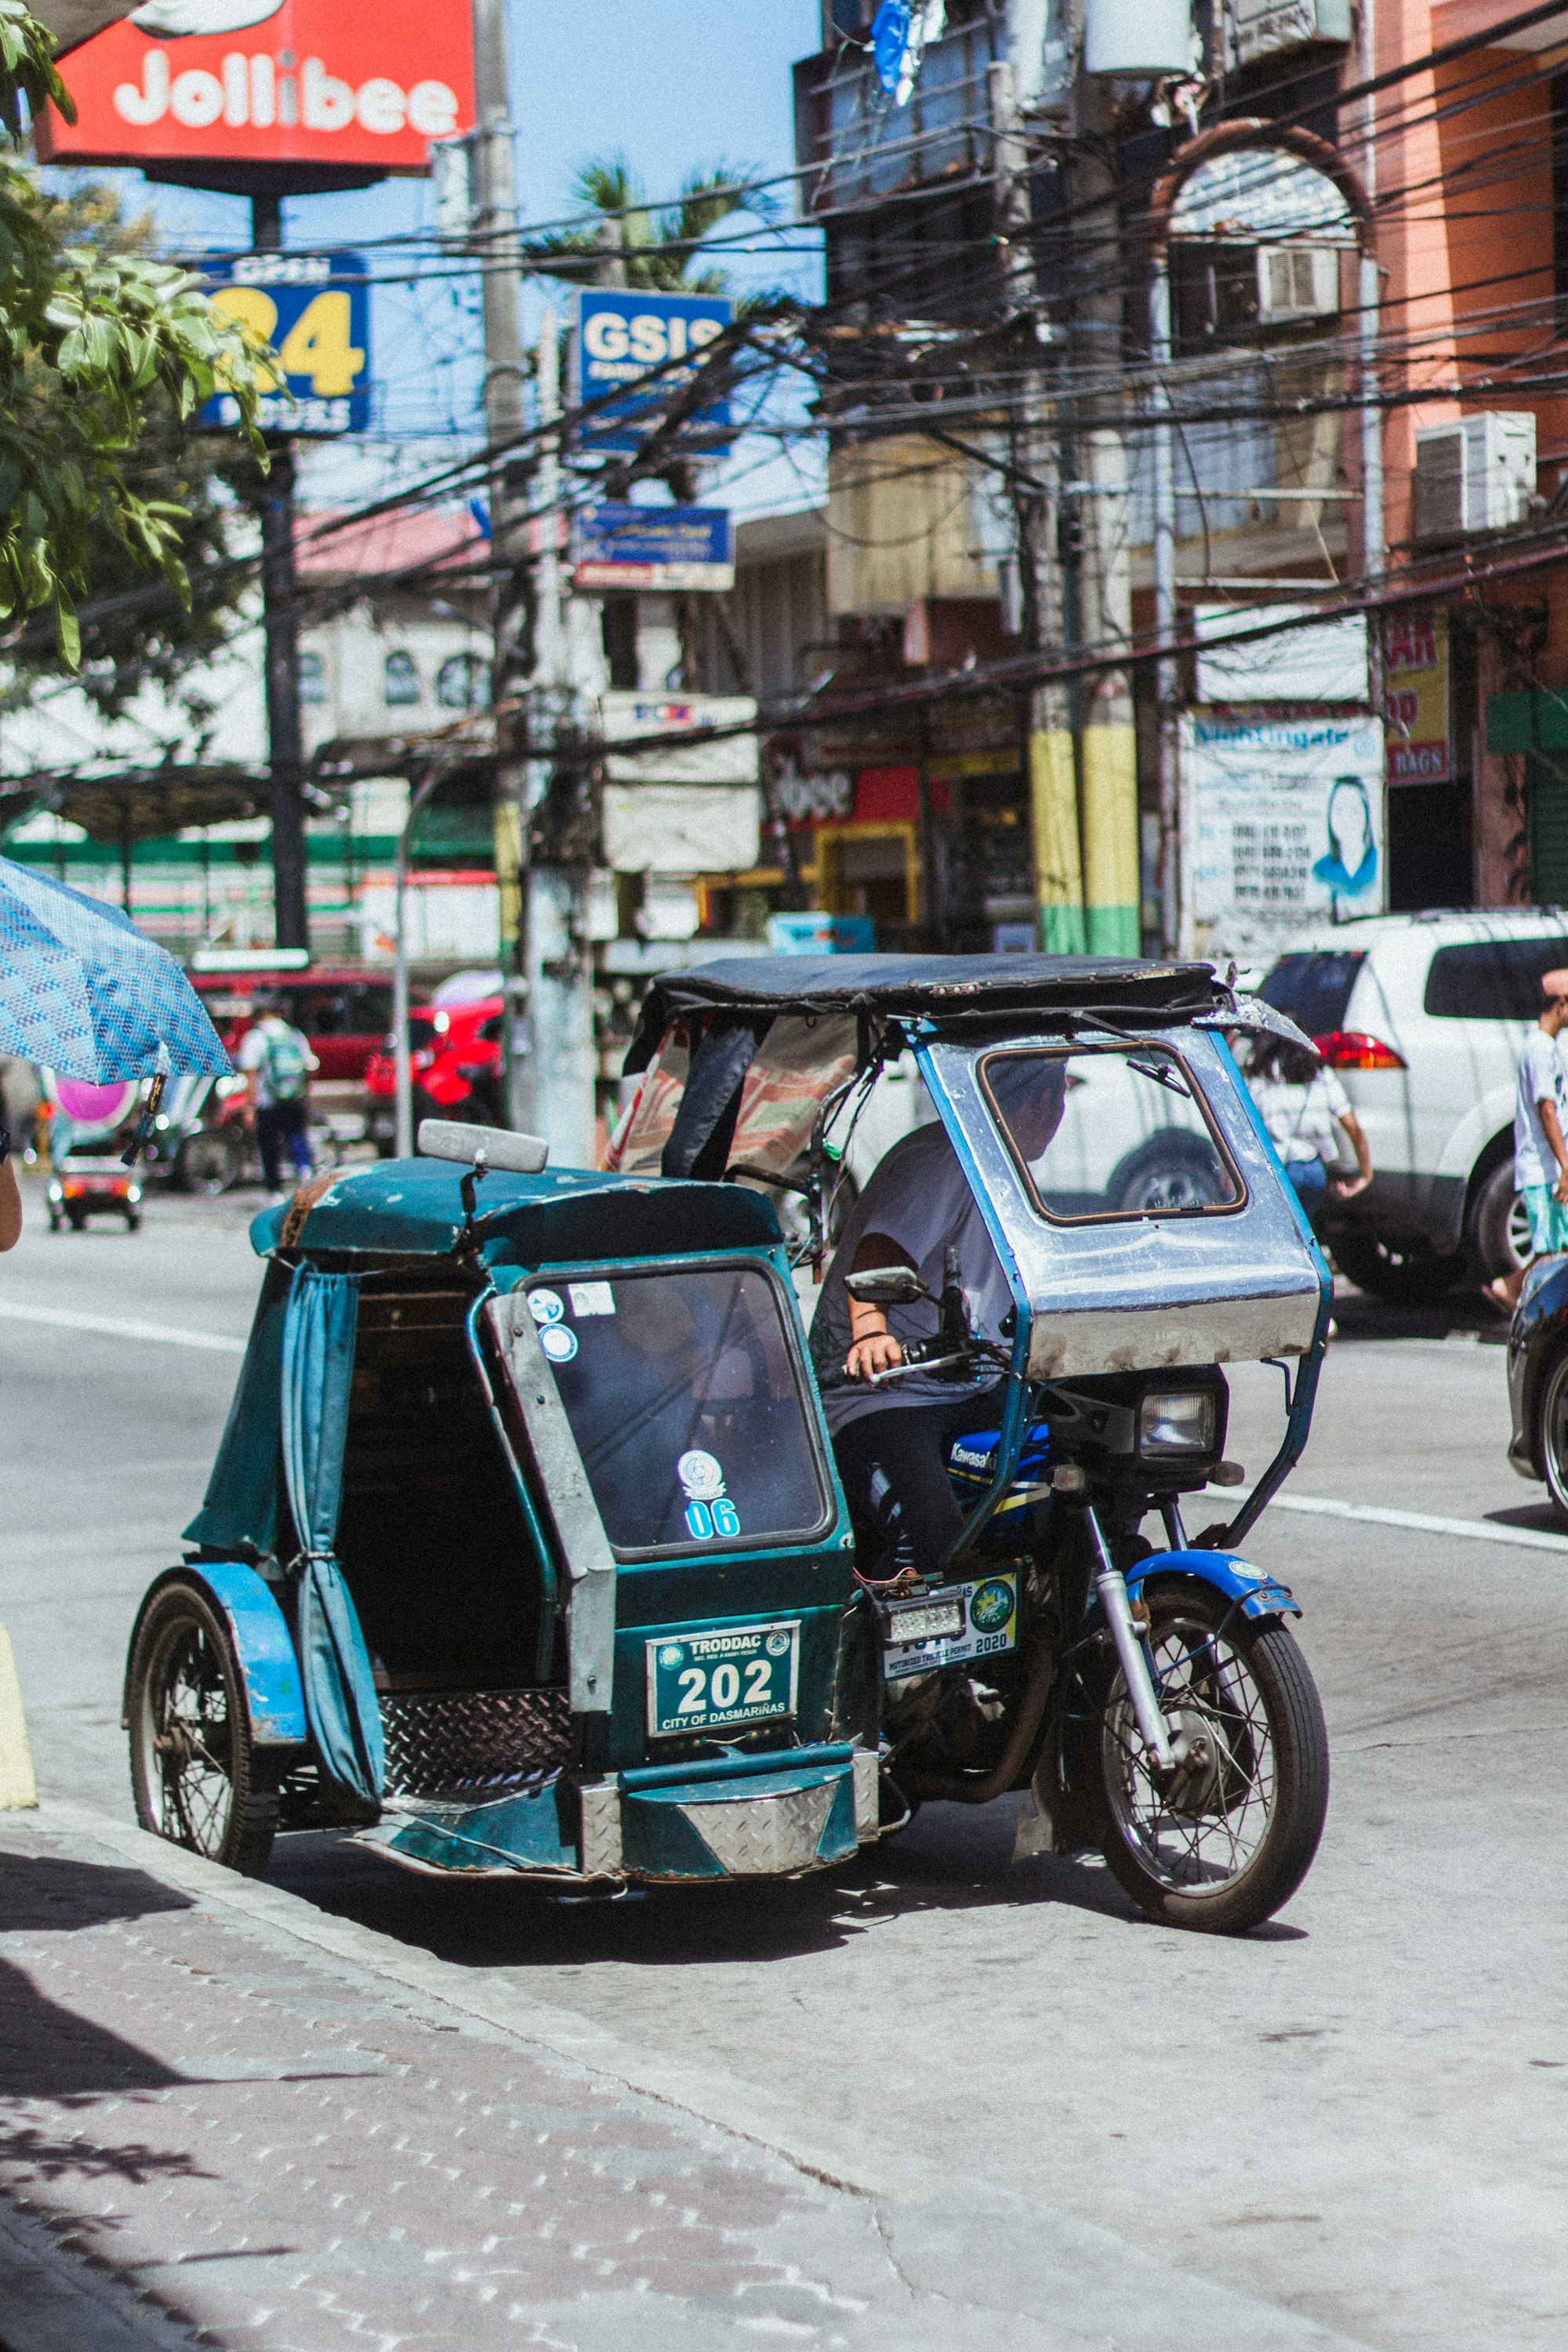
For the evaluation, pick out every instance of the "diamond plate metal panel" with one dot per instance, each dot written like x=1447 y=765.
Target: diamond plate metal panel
x=445 y=1743
x=759 y=1837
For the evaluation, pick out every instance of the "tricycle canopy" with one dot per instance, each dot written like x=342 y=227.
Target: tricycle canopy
x=1152 y=1227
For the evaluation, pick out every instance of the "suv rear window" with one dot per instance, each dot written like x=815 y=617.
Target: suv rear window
x=1493 y=980
x=1315 y=990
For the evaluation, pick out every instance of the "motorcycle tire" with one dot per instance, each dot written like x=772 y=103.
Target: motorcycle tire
x=197 y=1780
x=1551 y=1431
x=209 y=1163
x=1404 y=1273
x=1226 y=1848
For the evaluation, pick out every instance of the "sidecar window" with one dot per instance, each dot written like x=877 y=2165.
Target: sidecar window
x=688 y=1402
x=1116 y=1131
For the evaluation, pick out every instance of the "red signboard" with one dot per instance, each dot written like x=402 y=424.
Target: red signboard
x=303 y=82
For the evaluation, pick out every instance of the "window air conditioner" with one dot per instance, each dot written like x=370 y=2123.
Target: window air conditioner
x=1260 y=29
x=1296 y=281
x=1478 y=474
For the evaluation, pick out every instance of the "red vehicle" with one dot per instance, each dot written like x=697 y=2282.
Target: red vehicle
x=344 y=1009
x=456 y=1054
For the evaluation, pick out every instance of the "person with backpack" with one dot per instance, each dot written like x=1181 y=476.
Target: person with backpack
x=278 y=1060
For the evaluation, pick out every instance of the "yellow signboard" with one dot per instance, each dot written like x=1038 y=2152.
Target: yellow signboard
x=1415 y=696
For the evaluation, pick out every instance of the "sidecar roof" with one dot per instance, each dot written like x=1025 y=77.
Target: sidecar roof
x=930 y=986
x=400 y=1208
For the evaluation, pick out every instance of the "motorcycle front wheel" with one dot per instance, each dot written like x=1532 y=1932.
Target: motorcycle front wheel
x=1226 y=1842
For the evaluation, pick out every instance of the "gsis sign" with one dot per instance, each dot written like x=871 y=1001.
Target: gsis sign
x=290 y=81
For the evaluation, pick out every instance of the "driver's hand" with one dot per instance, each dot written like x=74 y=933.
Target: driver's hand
x=880 y=1353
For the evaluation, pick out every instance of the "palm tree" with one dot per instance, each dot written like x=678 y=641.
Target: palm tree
x=639 y=245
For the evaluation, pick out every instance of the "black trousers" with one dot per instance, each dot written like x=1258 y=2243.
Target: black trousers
x=909 y=1444
x=281 y=1124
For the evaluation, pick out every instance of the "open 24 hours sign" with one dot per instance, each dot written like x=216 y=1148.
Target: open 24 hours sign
x=314 y=311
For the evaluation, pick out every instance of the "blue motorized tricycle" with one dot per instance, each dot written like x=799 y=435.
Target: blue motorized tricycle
x=525 y=1551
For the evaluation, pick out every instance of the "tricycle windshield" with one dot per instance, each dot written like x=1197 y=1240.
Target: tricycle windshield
x=688 y=1404
x=1110 y=1131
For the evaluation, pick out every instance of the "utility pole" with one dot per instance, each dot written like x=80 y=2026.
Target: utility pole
x=1107 y=737
x=285 y=735
x=1053 y=782
x=495 y=234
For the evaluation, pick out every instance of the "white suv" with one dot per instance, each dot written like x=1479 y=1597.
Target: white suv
x=1422 y=1017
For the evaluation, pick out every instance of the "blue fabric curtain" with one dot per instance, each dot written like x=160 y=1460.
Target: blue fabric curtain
x=318 y=1368
x=238 y=1518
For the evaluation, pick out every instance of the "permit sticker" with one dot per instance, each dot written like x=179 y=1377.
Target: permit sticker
x=709 y=1511
x=546 y=1306
x=954 y=1622
x=559 y=1344
x=591 y=1297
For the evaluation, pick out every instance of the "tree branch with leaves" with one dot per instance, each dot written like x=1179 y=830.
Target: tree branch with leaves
x=93 y=340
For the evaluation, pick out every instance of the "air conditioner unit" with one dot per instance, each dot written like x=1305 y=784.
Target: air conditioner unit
x=1478 y=474
x=1296 y=281
x=1260 y=29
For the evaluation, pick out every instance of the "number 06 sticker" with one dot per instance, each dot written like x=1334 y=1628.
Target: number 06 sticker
x=714 y=1681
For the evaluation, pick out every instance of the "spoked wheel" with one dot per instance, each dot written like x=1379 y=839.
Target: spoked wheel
x=1230 y=1838
x=196 y=1778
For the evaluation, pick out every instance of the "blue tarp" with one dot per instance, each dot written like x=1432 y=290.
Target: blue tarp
x=318 y=1369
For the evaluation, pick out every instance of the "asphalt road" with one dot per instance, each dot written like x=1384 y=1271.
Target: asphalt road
x=1360 y=2114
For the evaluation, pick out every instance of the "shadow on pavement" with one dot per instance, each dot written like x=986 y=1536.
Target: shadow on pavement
x=950 y=1860
x=1458 y=1315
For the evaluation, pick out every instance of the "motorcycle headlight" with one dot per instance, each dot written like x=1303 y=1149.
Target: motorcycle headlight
x=1177 y=1421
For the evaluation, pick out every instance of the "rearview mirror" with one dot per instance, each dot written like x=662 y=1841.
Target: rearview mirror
x=886 y=1285
x=483 y=1147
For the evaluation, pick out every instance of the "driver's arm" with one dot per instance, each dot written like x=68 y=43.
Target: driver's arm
x=872 y=1346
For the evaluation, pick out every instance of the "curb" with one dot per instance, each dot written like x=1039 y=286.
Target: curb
x=1069 y=2283
x=55 y=2300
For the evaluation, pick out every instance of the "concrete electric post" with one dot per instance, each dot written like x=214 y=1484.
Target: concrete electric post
x=1053 y=782
x=281 y=611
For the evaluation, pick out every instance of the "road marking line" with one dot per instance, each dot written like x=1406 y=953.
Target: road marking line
x=166 y=1334
x=19 y=1789
x=1474 y=1530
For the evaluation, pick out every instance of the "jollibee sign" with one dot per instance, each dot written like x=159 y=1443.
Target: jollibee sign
x=301 y=81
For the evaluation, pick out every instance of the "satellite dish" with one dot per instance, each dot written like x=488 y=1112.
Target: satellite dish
x=172 y=20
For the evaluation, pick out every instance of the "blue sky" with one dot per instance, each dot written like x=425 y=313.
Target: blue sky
x=674 y=84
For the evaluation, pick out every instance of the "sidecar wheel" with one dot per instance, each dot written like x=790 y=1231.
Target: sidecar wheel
x=1225 y=1850
x=197 y=1780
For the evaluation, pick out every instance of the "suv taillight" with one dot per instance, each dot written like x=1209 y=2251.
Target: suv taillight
x=1353 y=1049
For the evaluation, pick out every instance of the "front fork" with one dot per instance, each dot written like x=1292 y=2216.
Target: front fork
x=1167 y=1755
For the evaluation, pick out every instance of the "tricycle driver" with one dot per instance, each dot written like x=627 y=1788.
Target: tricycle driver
x=891 y=1440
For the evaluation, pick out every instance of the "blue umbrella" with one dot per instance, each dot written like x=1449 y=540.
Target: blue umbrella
x=84 y=992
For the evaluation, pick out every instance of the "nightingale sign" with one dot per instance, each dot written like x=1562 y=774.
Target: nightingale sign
x=270 y=81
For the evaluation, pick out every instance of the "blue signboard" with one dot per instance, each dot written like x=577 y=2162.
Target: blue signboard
x=314 y=311
x=654 y=547
x=652 y=345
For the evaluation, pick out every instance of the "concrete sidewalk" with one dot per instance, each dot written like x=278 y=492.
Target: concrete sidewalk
x=226 y=2119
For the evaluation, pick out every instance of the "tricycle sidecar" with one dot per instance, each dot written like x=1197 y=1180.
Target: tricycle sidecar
x=523 y=1550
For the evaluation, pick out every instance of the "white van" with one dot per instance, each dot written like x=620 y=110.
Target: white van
x=1422 y=1017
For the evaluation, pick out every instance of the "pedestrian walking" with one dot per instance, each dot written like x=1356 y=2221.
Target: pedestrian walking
x=1539 y=1152
x=276 y=1059
x=1304 y=1106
